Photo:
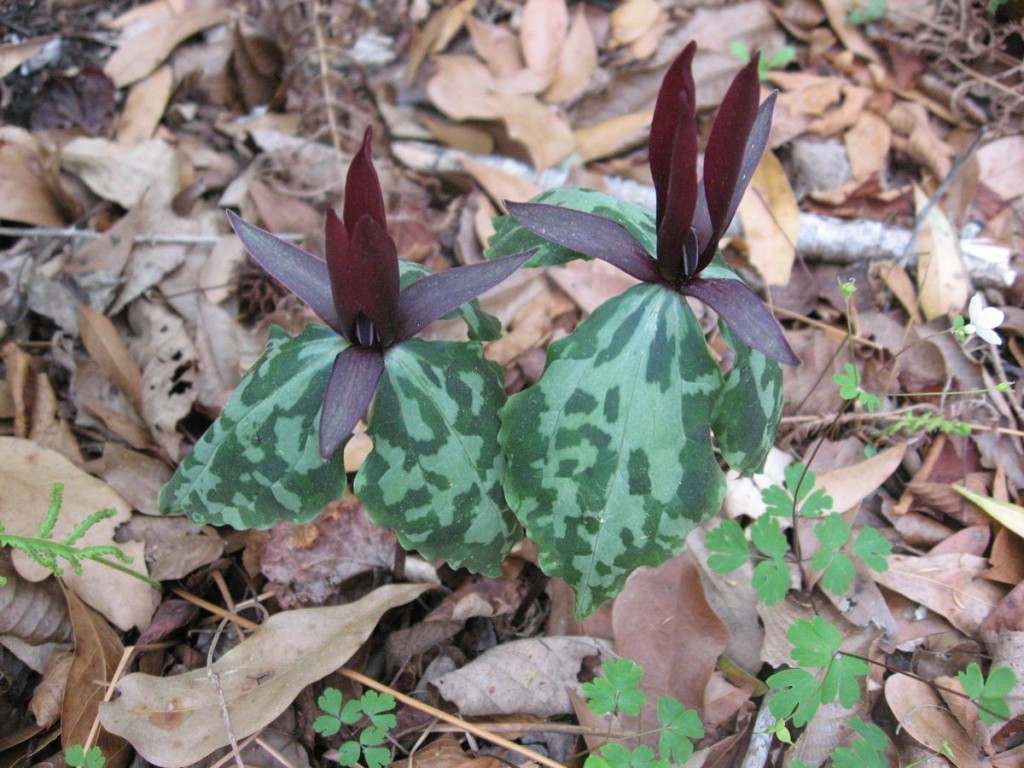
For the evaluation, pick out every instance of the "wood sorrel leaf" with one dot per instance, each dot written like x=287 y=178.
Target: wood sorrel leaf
x=746 y=415
x=610 y=456
x=436 y=469
x=510 y=237
x=259 y=464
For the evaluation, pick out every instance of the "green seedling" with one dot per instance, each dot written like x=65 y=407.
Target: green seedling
x=373 y=711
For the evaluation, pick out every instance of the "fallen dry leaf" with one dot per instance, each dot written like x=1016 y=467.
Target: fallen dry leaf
x=531 y=676
x=97 y=653
x=920 y=711
x=438 y=32
x=613 y=136
x=32 y=611
x=104 y=344
x=28 y=181
x=942 y=281
x=144 y=107
x=176 y=721
x=577 y=61
x=542 y=33
x=49 y=693
x=849 y=486
x=497 y=45
x=122 y=174
x=28 y=474
x=771 y=221
x=631 y=20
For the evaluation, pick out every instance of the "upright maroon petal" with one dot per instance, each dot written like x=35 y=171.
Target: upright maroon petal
x=678 y=79
x=368 y=282
x=679 y=198
x=336 y=247
x=350 y=388
x=363 y=196
x=301 y=272
x=723 y=158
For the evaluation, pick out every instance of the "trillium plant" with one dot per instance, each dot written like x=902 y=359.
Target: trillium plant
x=607 y=462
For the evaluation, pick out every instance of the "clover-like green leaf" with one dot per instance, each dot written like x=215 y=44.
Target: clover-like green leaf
x=771 y=580
x=815 y=642
x=796 y=694
x=871 y=547
x=767 y=536
x=617 y=690
x=680 y=726
x=259 y=464
x=610 y=456
x=436 y=470
x=728 y=545
x=990 y=694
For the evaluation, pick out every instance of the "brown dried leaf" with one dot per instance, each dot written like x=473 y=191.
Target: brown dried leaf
x=104 y=343
x=175 y=547
x=138 y=56
x=771 y=221
x=28 y=181
x=144 y=107
x=531 y=676
x=631 y=20
x=178 y=720
x=48 y=695
x=13 y=55
x=500 y=185
x=942 y=281
x=134 y=475
x=867 y=145
x=542 y=130
x=577 y=61
x=438 y=32
x=950 y=585
x=497 y=45
x=32 y=611
x=122 y=174
x=544 y=26
x=613 y=137
x=49 y=426
x=463 y=88
x=97 y=653
x=920 y=711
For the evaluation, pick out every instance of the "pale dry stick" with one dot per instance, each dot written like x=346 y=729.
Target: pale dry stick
x=88 y=234
x=321 y=52
x=214 y=679
x=440 y=715
x=760 y=737
x=275 y=754
x=107 y=696
x=826 y=327
x=894 y=416
x=242 y=745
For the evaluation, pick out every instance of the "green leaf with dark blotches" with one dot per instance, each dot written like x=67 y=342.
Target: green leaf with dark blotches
x=435 y=472
x=747 y=413
x=610 y=456
x=259 y=463
x=510 y=237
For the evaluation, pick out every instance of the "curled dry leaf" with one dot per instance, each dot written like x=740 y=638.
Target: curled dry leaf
x=531 y=676
x=104 y=344
x=942 y=281
x=29 y=181
x=27 y=475
x=920 y=712
x=577 y=61
x=34 y=612
x=124 y=174
x=176 y=721
x=49 y=693
x=771 y=221
x=542 y=34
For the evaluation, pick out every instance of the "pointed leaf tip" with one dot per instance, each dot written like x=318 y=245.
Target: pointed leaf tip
x=301 y=272
x=363 y=195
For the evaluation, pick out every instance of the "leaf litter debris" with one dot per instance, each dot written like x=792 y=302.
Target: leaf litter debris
x=129 y=314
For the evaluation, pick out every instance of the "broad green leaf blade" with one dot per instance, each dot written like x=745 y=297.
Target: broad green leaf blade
x=748 y=410
x=259 y=464
x=511 y=237
x=436 y=469
x=610 y=457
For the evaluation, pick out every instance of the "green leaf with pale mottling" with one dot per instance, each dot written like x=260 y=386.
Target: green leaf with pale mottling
x=747 y=413
x=510 y=237
x=259 y=463
x=610 y=456
x=435 y=473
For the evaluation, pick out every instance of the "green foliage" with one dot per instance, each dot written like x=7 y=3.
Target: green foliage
x=77 y=757
x=49 y=553
x=989 y=694
x=778 y=60
x=619 y=691
x=865 y=11
x=865 y=752
x=798 y=692
x=376 y=713
x=928 y=423
x=850 y=389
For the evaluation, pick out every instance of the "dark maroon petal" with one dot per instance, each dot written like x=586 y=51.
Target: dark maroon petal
x=745 y=313
x=350 y=388
x=587 y=233
x=336 y=244
x=301 y=272
x=677 y=204
x=367 y=281
x=724 y=156
x=363 y=196
x=755 y=146
x=438 y=294
x=678 y=79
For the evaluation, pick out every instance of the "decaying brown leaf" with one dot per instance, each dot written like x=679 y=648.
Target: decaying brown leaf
x=175 y=721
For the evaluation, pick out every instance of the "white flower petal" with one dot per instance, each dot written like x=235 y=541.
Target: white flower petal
x=975 y=307
x=990 y=317
x=988 y=335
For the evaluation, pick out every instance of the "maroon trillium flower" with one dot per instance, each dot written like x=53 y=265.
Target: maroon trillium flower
x=691 y=217
x=356 y=292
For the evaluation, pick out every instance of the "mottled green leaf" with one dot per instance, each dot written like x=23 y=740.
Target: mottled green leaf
x=610 y=456
x=436 y=469
x=259 y=463
x=747 y=413
x=510 y=237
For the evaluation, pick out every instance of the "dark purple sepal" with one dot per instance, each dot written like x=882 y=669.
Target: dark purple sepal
x=350 y=388
x=678 y=199
x=730 y=131
x=438 y=294
x=746 y=315
x=587 y=233
x=363 y=195
x=299 y=271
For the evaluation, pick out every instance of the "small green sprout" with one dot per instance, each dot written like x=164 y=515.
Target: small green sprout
x=375 y=707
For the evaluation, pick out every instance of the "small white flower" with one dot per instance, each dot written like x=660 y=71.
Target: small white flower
x=983 y=320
